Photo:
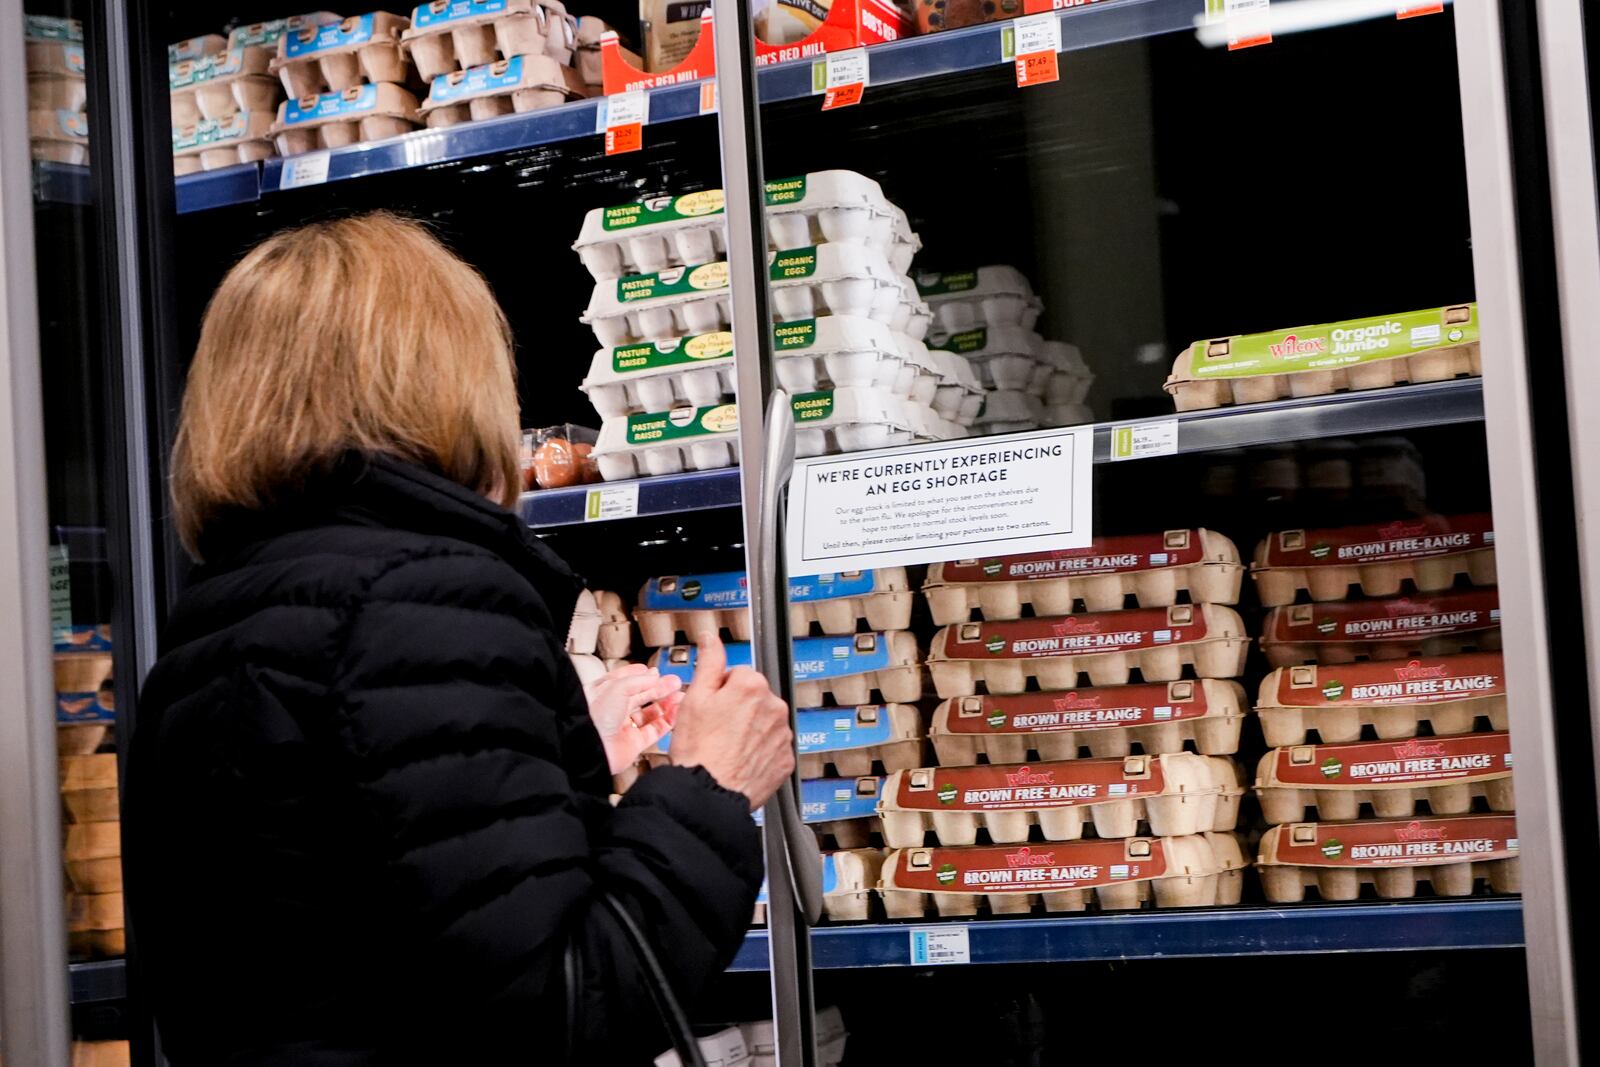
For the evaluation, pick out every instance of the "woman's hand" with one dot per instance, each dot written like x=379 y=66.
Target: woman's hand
x=633 y=707
x=732 y=724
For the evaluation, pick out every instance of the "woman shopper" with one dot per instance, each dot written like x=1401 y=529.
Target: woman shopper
x=367 y=802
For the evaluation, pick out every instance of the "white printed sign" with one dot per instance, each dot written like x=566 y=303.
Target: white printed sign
x=308 y=169
x=1027 y=492
x=611 y=502
x=934 y=945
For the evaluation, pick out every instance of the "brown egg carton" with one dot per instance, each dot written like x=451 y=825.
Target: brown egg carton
x=333 y=120
x=81 y=672
x=504 y=87
x=1451 y=854
x=1439 y=365
x=1108 y=646
x=93 y=856
x=59 y=136
x=1159 y=717
x=848 y=880
x=886 y=607
x=1393 y=778
x=101 y=1054
x=448 y=35
x=95 y=925
x=1394 y=699
x=1233 y=859
x=902 y=750
x=80 y=738
x=1151 y=568
x=212 y=144
x=89 y=787
x=1173 y=795
x=215 y=86
x=1394 y=628
x=333 y=57
x=1115 y=875
x=600 y=626
x=56 y=76
x=1430 y=552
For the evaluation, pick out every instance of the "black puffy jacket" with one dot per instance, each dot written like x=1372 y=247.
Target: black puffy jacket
x=366 y=809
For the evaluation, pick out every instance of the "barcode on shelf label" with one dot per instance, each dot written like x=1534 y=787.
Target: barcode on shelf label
x=611 y=502
x=1034 y=42
x=625 y=116
x=1140 y=440
x=309 y=169
x=936 y=945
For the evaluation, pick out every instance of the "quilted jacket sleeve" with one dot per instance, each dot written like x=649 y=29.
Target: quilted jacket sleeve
x=455 y=706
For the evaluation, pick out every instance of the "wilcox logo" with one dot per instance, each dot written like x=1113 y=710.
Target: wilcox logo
x=1296 y=346
x=1415 y=671
x=1024 y=776
x=1027 y=857
x=1415 y=831
x=1417 y=747
x=1403 y=529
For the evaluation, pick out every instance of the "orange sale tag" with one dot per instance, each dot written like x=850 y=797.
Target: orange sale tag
x=619 y=139
x=1419 y=9
x=841 y=77
x=1249 y=42
x=1037 y=69
x=842 y=96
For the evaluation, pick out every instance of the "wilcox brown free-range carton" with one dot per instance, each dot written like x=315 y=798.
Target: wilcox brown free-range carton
x=1152 y=568
x=1452 y=853
x=1173 y=795
x=1108 y=646
x=1108 y=721
x=1430 y=551
x=1345 y=631
x=1394 y=698
x=1391 y=777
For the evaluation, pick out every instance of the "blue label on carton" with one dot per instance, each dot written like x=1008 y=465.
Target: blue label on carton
x=839 y=657
x=331 y=105
x=837 y=729
x=829 y=799
x=51 y=28
x=326 y=38
x=731 y=590
x=440 y=14
x=830 y=879
x=477 y=81
x=85 y=639
x=82 y=707
x=738 y=656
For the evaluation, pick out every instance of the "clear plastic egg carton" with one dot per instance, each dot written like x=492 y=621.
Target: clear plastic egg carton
x=268 y=33
x=336 y=56
x=218 y=85
x=333 y=120
x=676 y=302
x=1009 y=411
x=447 y=36
x=840 y=279
x=988 y=296
x=503 y=87
x=212 y=143
x=1004 y=357
x=838 y=206
x=651 y=235
x=1070 y=377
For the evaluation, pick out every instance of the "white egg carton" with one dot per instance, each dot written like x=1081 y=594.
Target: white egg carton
x=1005 y=357
x=840 y=279
x=336 y=56
x=600 y=626
x=676 y=302
x=503 y=87
x=213 y=143
x=333 y=120
x=217 y=85
x=913 y=318
x=838 y=206
x=1009 y=411
x=654 y=234
x=268 y=33
x=1070 y=376
x=446 y=36
x=987 y=296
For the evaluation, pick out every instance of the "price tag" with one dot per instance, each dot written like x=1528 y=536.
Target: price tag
x=840 y=77
x=309 y=169
x=708 y=97
x=1141 y=440
x=1246 y=18
x=936 y=945
x=626 y=114
x=608 y=502
x=1414 y=10
x=1036 y=41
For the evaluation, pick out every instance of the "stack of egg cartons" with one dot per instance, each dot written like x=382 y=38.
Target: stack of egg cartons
x=100 y=1054
x=856 y=679
x=987 y=315
x=85 y=714
x=58 y=128
x=1162 y=818
x=847 y=338
x=483 y=58
x=1431 y=799
x=601 y=634
x=348 y=81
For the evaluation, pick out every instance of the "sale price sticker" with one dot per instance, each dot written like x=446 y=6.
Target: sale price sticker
x=841 y=78
x=626 y=114
x=1411 y=11
x=1034 y=42
x=1246 y=19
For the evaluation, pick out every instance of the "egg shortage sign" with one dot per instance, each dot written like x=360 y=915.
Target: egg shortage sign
x=1026 y=492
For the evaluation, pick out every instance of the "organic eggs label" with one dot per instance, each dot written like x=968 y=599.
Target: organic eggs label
x=1416 y=760
x=787 y=336
x=441 y=12
x=673 y=282
x=1075 y=635
x=786 y=191
x=1105 y=555
x=1333 y=345
x=1006 y=787
x=1102 y=708
x=1417 y=538
x=929 y=284
x=799 y=263
x=812 y=407
x=965 y=342
x=1404 y=618
x=1424 y=680
x=1027 y=868
x=314 y=39
x=1395 y=842
x=648 y=356
x=662 y=209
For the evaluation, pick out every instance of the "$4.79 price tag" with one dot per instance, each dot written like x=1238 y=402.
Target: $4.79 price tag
x=1032 y=44
x=840 y=77
x=1246 y=19
x=626 y=113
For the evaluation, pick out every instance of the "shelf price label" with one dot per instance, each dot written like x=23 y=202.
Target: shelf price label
x=1411 y=11
x=933 y=946
x=609 y=502
x=308 y=169
x=1140 y=440
x=708 y=97
x=625 y=116
x=841 y=78
x=1032 y=43
x=1246 y=19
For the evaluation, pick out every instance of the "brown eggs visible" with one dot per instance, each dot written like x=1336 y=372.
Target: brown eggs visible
x=583 y=456
x=555 y=465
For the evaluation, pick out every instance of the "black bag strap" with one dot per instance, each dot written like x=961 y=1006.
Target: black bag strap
x=671 y=1012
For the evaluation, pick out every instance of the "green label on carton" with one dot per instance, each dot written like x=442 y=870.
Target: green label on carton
x=964 y=342
x=630 y=359
x=812 y=407
x=679 y=423
x=799 y=263
x=786 y=190
x=662 y=209
x=787 y=336
x=944 y=284
x=674 y=282
x=1334 y=345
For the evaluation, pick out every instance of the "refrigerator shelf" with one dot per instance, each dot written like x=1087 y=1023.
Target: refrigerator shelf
x=98 y=981
x=662 y=495
x=1256 y=931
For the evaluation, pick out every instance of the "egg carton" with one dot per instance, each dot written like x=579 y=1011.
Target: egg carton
x=1173 y=795
x=268 y=33
x=216 y=86
x=95 y=924
x=81 y=672
x=56 y=76
x=676 y=302
x=600 y=626
x=446 y=36
x=1107 y=645
x=521 y=83
x=1390 y=777
x=333 y=120
x=1161 y=718
x=1449 y=693
x=1452 y=854
x=89 y=787
x=591 y=668
x=1430 y=551
x=851 y=741
x=840 y=279
x=958 y=394
x=1117 y=875
x=362 y=49
x=848 y=668
x=987 y=296
x=215 y=143
x=699 y=604
x=1395 y=628
x=1004 y=357
x=1009 y=411
x=1070 y=377
x=93 y=856
x=59 y=136
x=1374 y=353
x=838 y=207
x=195 y=47
x=913 y=317
x=848 y=879
x=842 y=811
x=586 y=56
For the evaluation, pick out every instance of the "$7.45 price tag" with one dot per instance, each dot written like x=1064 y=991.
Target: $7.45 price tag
x=840 y=77
x=625 y=116
x=1032 y=43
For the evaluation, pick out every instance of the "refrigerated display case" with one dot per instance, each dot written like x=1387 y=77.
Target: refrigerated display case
x=1279 y=278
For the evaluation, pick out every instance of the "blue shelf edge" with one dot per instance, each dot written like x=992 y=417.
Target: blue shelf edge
x=97 y=981
x=1391 y=926
x=664 y=494
x=219 y=188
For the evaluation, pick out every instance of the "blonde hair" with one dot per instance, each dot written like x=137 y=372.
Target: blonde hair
x=359 y=334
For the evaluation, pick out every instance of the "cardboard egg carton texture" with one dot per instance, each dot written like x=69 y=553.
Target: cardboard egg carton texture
x=698 y=604
x=56 y=76
x=1392 y=778
x=841 y=811
x=368 y=112
x=1171 y=796
x=1108 y=646
x=335 y=56
x=1106 y=721
x=1151 y=568
x=1337 y=632
x=600 y=626
x=848 y=670
x=95 y=925
x=450 y=36
x=849 y=878
x=93 y=856
x=1112 y=875
x=216 y=86
x=1394 y=699
x=210 y=144
x=1420 y=346
x=89 y=787
x=1450 y=854
x=505 y=86
x=1430 y=552
x=993 y=296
